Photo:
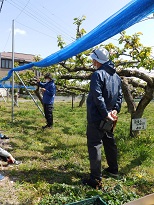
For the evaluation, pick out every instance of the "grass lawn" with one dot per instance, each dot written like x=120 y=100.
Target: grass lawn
x=55 y=161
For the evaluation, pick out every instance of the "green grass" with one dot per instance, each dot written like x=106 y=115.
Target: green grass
x=55 y=161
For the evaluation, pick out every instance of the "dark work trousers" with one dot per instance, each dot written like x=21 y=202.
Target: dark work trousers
x=95 y=140
x=48 y=109
x=3 y=158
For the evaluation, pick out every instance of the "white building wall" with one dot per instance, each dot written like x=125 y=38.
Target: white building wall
x=3 y=92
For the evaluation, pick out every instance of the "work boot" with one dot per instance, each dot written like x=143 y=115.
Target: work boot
x=110 y=172
x=46 y=126
x=94 y=183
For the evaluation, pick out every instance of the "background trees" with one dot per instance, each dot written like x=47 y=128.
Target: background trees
x=73 y=75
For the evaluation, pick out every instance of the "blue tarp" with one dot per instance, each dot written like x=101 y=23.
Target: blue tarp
x=6 y=86
x=130 y=14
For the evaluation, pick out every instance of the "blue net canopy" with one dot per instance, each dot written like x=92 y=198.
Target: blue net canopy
x=6 y=86
x=121 y=20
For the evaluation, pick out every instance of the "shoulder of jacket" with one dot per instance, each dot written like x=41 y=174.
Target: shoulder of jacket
x=99 y=72
x=118 y=76
x=51 y=82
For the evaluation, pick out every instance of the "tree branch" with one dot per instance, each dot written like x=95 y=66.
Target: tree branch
x=147 y=97
x=64 y=91
x=78 y=77
x=137 y=74
x=75 y=69
x=126 y=63
x=136 y=84
x=74 y=88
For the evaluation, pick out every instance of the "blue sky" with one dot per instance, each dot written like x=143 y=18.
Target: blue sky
x=37 y=23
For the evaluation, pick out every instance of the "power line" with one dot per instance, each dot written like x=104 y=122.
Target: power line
x=35 y=30
x=48 y=18
x=2 y=1
x=148 y=18
x=28 y=28
x=31 y=16
x=62 y=20
x=42 y=20
x=22 y=9
x=7 y=40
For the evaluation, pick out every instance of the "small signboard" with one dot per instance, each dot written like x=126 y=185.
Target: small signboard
x=139 y=124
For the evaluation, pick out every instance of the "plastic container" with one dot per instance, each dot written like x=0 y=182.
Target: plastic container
x=90 y=201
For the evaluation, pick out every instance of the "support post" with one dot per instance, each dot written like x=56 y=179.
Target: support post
x=29 y=93
x=8 y=94
x=13 y=71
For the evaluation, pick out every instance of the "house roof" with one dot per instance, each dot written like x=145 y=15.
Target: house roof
x=18 y=56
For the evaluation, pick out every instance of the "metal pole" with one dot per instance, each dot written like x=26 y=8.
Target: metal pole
x=8 y=94
x=29 y=93
x=3 y=97
x=13 y=71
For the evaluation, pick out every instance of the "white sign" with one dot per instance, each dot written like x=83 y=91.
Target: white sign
x=139 y=124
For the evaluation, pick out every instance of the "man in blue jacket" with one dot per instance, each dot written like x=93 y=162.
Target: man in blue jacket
x=103 y=104
x=49 y=90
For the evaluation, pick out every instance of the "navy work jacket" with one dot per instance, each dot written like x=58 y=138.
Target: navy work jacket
x=105 y=93
x=49 y=94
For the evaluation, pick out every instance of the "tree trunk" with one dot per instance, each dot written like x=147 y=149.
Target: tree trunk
x=148 y=96
x=136 y=111
x=73 y=98
x=37 y=93
x=16 y=99
x=82 y=101
x=128 y=96
x=134 y=133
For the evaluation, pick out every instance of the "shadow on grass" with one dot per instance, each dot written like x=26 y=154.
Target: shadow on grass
x=50 y=176
x=66 y=130
x=22 y=124
x=54 y=143
x=134 y=163
x=25 y=123
x=63 y=146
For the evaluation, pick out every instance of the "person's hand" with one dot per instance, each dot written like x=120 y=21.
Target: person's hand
x=112 y=115
x=11 y=159
x=43 y=89
x=38 y=80
x=114 y=112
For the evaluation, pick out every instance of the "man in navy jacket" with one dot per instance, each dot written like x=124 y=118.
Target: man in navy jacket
x=49 y=90
x=103 y=103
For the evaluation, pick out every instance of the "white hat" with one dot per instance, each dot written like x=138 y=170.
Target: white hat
x=100 y=55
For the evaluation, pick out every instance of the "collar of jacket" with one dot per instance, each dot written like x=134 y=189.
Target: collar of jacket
x=108 y=67
x=51 y=81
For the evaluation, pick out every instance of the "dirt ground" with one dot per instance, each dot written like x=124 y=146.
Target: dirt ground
x=7 y=189
x=7 y=192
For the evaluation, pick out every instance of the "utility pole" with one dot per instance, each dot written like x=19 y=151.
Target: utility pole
x=13 y=71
